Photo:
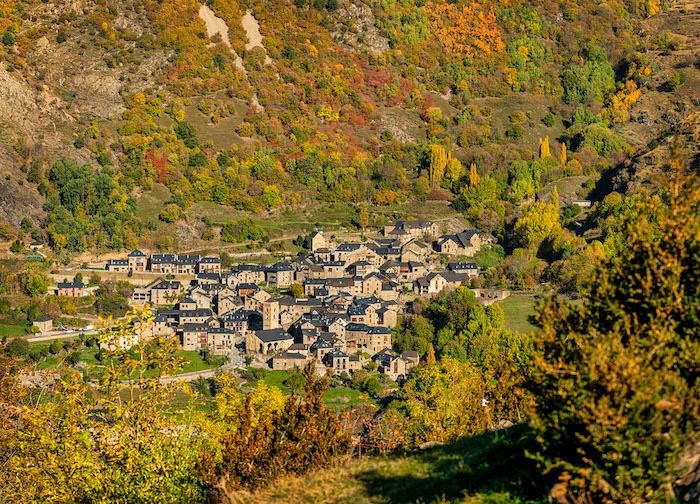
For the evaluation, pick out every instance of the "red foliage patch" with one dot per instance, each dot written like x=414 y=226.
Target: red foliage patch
x=159 y=162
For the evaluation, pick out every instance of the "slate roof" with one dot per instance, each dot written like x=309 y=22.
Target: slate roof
x=71 y=285
x=270 y=335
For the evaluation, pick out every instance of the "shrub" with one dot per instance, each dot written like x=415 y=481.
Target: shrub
x=302 y=436
x=548 y=119
x=18 y=347
x=171 y=213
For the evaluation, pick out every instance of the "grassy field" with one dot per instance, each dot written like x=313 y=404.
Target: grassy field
x=490 y=468
x=342 y=397
x=193 y=361
x=518 y=310
x=12 y=329
x=490 y=256
x=335 y=398
x=150 y=203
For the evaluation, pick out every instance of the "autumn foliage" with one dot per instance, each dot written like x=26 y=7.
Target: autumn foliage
x=616 y=377
x=466 y=30
x=303 y=435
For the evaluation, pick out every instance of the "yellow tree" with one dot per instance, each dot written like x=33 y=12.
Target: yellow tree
x=438 y=163
x=562 y=156
x=539 y=221
x=455 y=170
x=430 y=355
x=544 y=148
x=363 y=217
x=473 y=176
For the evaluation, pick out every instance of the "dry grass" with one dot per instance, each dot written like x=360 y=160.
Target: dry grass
x=488 y=468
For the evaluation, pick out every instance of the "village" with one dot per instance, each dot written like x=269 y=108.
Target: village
x=334 y=306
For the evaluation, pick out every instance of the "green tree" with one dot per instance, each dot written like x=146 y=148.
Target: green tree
x=592 y=80
x=171 y=213
x=35 y=283
x=616 y=377
x=297 y=291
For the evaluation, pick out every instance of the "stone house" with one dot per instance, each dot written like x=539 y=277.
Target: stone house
x=466 y=243
x=196 y=316
x=289 y=360
x=221 y=340
x=405 y=230
x=210 y=264
x=165 y=292
x=193 y=336
x=467 y=268
x=187 y=303
x=320 y=348
x=226 y=304
x=162 y=263
x=337 y=360
x=267 y=341
x=247 y=274
x=430 y=284
x=43 y=324
x=280 y=275
x=318 y=241
x=395 y=367
x=118 y=265
x=414 y=250
x=74 y=289
x=137 y=261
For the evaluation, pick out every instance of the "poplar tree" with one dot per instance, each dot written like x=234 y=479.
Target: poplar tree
x=438 y=163
x=473 y=176
x=562 y=156
x=544 y=148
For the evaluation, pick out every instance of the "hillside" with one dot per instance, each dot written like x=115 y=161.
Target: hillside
x=488 y=468
x=262 y=108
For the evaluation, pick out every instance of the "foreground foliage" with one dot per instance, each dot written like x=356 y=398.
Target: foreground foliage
x=616 y=378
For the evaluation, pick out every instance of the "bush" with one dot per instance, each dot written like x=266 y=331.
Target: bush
x=171 y=213
x=548 y=119
x=303 y=436
x=73 y=359
x=18 y=347
x=54 y=347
